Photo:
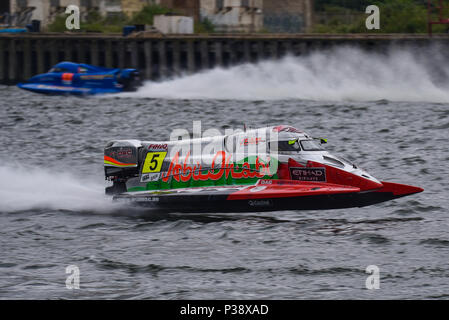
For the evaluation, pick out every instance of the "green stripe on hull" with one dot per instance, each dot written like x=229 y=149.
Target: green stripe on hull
x=172 y=183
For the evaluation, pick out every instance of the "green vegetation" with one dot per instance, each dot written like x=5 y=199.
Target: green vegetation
x=331 y=16
x=397 y=16
x=205 y=26
x=146 y=15
x=96 y=23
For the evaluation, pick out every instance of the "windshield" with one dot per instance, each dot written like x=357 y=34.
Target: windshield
x=289 y=145
x=58 y=70
x=311 y=145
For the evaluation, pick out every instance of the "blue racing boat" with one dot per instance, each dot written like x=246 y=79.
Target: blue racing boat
x=83 y=79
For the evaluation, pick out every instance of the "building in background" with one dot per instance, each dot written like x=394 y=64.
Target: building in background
x=233 y=15
x=111 y=8
x=32 y=10
x=292 y=16
x=4 y=7
x=280 y=16
x=46 y=10
x=226 y=15
x=5 y=13
x=123 y=7
x=129 y=7
x=173 y=24
x=188 y=8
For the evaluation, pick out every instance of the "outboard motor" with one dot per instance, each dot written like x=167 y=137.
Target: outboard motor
x=129 y=79
x=121 y=162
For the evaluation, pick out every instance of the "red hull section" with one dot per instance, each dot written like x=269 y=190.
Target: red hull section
x=268 y=195
x=399 y=190
x=336 y=176
x=287 y=188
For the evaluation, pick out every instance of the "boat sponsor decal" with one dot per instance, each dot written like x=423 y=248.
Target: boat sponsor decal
x=150 y=177
x=120 y=156
x=286 y=129
x=158 y=147
x=250 y=141
x=153 y=162
x=220 y=167
x=260 y=203
x=67 y=78
x=227 y=189
x=279 y=182
x=112 y=162
x=145 y=199
x=308 y=174
x=128 y=199
x=121 y=152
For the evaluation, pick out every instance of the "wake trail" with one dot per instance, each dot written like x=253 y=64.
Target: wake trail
x=343 y=74
x=23 y=188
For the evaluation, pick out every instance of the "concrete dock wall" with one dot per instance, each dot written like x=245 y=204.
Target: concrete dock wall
x=22 y=56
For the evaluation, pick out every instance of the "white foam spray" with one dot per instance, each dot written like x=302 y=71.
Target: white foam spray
x=344 y=74
x=23 y=188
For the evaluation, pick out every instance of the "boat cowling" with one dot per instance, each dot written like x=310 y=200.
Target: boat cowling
x=121 y=162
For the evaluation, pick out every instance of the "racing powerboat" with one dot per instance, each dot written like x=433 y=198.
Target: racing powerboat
x=273 y=168
x=83 y=79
